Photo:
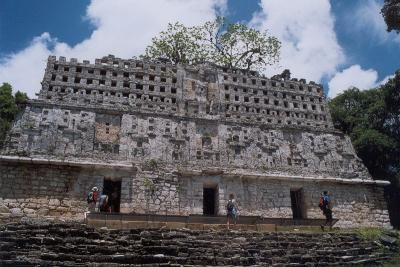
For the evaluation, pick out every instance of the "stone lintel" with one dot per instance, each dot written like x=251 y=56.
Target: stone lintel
x=252 y=175
x=83 y=164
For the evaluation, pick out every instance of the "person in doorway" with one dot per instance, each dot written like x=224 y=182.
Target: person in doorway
x=325 y=205
x=92 y=199
x=104 y=205
x=231 y=210
x=114 y=200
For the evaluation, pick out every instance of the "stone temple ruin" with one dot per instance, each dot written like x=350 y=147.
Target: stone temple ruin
x=175 y=139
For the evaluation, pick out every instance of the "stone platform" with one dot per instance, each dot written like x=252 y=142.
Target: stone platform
x=61 y=244
x=195 y=222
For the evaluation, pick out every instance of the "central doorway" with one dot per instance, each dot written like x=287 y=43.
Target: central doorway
x=209 y=201
x=296 y=197
x=113 y=190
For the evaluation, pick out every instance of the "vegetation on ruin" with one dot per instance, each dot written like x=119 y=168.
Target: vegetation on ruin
x=374 y=234
x=394 y=261
x=149 y=185
x=151 y=164
x=391 y=13
x=369 y=233
x=232 y=45
x=10 y=105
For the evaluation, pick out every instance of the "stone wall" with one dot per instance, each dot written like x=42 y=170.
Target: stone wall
x=60 y=191
x=145 y=123
x=198 y=91
x=135 y=111
x=48 y=189
x=81 y=133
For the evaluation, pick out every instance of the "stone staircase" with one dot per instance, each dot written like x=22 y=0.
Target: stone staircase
x=64 y=244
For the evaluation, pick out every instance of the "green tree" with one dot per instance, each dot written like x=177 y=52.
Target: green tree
x=9 y=107
x=232 y=45
x=178 y=43
x=372 y=119
x=391 y=13
x=235 y=45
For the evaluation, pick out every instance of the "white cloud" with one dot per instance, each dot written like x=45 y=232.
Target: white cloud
x=367 y=19
x=306 y=29
x=123 y=28
x=24 y=70
x=354 y=76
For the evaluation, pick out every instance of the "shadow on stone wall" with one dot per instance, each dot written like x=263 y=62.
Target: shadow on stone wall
x=392 y=195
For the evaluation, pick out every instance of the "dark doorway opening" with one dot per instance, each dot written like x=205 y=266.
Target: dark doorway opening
x=113 y=190
x=209 y=202
x=296 y=197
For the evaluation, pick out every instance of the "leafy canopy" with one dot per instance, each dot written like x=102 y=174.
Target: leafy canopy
x=233 y=45
x=372 y=119
x=391 y=13
x=9 y=107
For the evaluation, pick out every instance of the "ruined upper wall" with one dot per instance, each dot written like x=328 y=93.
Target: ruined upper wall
x=196 y=116
x=202 y=91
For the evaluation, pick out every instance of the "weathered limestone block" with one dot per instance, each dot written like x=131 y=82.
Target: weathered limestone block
x=4 y=209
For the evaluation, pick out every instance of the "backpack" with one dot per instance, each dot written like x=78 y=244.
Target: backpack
x=89 y=198
x=230 y=206
x=323 y=203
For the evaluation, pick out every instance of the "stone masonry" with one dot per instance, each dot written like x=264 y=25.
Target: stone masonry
x=78 y=245
x=166 y=132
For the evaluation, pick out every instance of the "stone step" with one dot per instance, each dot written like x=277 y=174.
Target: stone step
x=79 y=245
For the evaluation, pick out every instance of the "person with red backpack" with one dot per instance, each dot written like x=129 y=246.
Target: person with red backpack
x=325 y=205
x=92 y=198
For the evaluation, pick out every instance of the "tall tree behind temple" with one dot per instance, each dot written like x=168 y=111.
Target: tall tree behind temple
x=372 y=119
x=9 y=107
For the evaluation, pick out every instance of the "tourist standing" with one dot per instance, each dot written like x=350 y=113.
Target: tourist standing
x=325 y=205
x=92 y=199
x=231 y=210
x=104 y=203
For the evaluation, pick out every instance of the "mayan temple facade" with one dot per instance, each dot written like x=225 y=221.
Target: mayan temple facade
x=176 y=139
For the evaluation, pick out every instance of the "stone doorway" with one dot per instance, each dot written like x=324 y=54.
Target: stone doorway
x=209 y=201
x=113 y=190
x=296 y=197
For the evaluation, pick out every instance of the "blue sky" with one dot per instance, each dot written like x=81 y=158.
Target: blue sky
x=338 y=43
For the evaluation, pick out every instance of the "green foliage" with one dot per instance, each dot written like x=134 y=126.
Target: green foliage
x=369 y=233
x=391 y=13
x=9 y=107
x=372 y=119
x=238 y=46
x=233 y=45
x=20 y=98
x=149 y=185
x=394 y=261
x=178 y=43
x=151 y=164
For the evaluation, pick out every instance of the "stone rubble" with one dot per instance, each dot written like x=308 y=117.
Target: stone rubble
x=62 y=244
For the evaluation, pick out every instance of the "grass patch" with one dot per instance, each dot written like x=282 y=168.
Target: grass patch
x=372 y=234
x=394 y=262
x=369 y=233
